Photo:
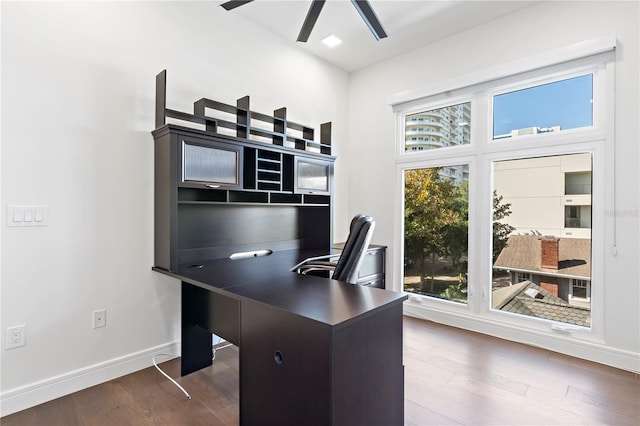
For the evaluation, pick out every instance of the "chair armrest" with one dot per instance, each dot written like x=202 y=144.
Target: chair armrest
x=312 y=259
x=305 y=269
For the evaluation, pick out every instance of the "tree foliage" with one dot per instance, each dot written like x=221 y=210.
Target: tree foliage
x=429 y=213
x=501 y=230
x=436 y=223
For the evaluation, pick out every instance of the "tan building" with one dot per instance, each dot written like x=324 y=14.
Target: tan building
x=548 y=195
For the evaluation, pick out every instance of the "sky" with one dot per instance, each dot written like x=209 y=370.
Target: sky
x=566 y=103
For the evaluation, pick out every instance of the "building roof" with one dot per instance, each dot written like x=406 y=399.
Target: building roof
x=523 y=252
x=530 y=299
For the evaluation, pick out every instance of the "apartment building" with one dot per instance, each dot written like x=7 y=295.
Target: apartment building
x=439 y=128
x=548 y=195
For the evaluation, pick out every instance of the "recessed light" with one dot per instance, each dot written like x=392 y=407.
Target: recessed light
x=331 y=40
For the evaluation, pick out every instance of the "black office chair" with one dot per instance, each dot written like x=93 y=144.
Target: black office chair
x=352 y=256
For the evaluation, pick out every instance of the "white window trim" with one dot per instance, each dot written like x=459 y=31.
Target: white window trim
x=480 y=155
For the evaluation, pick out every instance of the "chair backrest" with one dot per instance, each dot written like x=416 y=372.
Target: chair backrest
x=355 y=248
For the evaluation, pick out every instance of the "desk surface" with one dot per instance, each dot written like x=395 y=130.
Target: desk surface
x=268 y=280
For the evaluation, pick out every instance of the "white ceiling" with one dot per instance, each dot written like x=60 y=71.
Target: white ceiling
x=409 y=24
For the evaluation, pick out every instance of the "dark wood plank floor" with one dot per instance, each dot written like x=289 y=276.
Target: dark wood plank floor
x=452 y=376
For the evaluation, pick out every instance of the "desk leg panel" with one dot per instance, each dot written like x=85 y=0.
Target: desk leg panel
x=368 y=371
x=284 y=368
x=195 y=340
x=205 y=312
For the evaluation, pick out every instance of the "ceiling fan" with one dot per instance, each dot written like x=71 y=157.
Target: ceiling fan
x=362 y=6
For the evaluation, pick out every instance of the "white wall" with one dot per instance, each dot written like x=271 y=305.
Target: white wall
x=78 y=88
x=542 y=27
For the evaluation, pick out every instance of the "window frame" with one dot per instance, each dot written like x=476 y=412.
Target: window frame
x=556 y=74
x=451 y=162
x=480 y=154
x=411 y=156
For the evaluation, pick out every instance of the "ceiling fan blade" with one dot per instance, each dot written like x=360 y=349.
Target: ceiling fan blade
x=366 y=11
x=232 y=4
x=310 y=20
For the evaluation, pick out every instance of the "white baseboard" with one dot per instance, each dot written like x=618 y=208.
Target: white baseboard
x=36 y=393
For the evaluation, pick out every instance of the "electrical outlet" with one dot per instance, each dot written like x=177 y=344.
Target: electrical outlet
x=16 y=336
x=99 y=318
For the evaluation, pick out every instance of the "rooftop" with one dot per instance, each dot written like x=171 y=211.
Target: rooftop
x=530 y=299
x=523 y=252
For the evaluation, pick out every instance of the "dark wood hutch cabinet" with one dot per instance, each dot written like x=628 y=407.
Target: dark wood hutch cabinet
x=260 y=210
x=249 y=195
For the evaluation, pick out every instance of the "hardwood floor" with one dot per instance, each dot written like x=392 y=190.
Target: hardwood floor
x=452 y=376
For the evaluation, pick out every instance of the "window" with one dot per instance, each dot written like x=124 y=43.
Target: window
x=572 y=217
x=437 y=135
x=550 y=107
x=577 y=183
x=531 y=167
x=529 y=234
x=436 y=232
x=577 y=217
x=580 y=289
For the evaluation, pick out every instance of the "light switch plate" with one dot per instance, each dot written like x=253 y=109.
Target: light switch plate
x=27 y=216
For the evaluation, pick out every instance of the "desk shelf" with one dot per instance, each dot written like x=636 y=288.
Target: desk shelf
x=197 y=195
x=269 y=170
x=221 y=196
x=277 y=129
x=294 y=199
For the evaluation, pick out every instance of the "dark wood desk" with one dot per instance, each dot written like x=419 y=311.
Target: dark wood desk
x=313 y=351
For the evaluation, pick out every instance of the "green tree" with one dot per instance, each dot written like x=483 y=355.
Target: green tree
x=436 y=223
x=501 y=230
x=428 y=212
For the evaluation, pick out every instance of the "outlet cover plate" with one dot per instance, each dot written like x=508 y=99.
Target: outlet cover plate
x=99 y=318
x=16 y=336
